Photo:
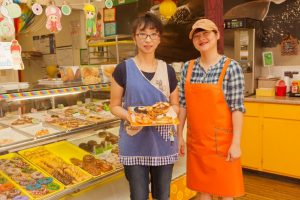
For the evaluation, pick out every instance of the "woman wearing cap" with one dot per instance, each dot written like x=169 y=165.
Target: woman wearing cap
x=211 y=99
x=144 y=81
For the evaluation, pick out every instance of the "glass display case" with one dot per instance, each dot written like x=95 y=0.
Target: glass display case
x=64 y=138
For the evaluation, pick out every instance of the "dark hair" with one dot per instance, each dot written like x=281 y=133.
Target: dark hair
x=148 y=20
x=200 y=30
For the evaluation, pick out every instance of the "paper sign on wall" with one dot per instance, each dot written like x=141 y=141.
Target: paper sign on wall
x=6 y=61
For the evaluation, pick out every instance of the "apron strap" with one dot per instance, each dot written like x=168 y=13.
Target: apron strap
x=223 y=73
x=189 y=72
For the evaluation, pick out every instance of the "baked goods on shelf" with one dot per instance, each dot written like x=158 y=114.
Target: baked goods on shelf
x=9 y=191
x=24 y=120
x=66 y=173
x=33 y=181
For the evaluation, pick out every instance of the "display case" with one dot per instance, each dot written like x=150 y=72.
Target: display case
x=64 y=138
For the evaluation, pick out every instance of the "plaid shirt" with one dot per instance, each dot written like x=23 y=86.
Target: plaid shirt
x=233 y=83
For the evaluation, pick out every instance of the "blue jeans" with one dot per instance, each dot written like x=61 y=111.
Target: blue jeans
x=138 y=178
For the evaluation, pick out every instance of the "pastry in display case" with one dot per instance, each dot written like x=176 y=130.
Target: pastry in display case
x=9 y=190
x=35 y=183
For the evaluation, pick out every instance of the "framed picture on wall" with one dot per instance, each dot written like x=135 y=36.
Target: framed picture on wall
x=110 y=28
x=109 y=14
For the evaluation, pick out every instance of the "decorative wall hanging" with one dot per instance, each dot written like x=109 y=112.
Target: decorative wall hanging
x=289 y=46
x=37 y=9
x=66 y=9
x=167 y=8
x=53 y=14
x=12 y=10
x=110 y=28
x=109 y=15
x=90 y=15
x=109 y=3
x=16 y=52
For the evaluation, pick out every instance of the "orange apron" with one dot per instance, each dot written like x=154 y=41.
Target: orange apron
x=209 y=136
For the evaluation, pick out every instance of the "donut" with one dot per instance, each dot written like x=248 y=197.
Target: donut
x=28 y=170
x=12 y=193
x=53 y=186
x=3 y=197
x=20 y=177
x=27 y=182
x=13 y=170
x=37 y=175
x=2 y=180
x=20 y=198
x=45 y=181
x=39 y=192
x=32 y=187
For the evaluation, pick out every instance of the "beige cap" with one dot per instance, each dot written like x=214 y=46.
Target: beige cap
x=204 y=24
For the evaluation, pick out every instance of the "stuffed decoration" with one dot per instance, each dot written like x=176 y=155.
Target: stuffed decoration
x=90 y=14
x=16 y=52
x=7 y=29
x=53 y=14
x=12 y=10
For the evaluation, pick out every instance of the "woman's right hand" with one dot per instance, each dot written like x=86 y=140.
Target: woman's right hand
x=181 y=146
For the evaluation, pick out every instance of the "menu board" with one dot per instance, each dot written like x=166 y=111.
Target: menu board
x=6 y=61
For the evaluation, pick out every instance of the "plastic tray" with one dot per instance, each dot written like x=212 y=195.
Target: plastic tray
x=174 y=120
x=23 y=188
x=50 y=158
x=9 y=136
x=6 y=180
x=104 y=155
x=32 y=130
x=10 y=119
x=70 y=151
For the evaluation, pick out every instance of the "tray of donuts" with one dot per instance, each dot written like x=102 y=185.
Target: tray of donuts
x=62 y=170
x=158 y=114
x=80 y=158
x=31 y=180
x=10 y=190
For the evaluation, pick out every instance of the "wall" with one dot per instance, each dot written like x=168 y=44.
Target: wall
x=62 y=38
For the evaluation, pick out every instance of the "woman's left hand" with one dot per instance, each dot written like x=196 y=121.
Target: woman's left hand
x=234 y=152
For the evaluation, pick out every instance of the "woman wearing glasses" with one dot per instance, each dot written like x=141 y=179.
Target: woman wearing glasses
x=212 y=99
x=143 y=81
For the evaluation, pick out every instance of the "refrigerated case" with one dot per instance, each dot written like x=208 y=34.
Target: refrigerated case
x=242 y=43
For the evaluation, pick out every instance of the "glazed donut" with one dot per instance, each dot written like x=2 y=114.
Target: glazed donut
x=20 y=198
x=3 y=197
x=28 y=170
x=37 y=175
x=40 y=192
x=27 y=182
x=20 y=177
x=13 y=170
x=53 y=186
x=45 y=181
x=12 y=193
x=36 y=186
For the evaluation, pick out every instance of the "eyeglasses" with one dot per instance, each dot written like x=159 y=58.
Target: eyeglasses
x=152 y=36
x=201 y=34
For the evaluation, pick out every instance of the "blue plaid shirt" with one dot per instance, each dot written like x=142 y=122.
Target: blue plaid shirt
x=233 y=83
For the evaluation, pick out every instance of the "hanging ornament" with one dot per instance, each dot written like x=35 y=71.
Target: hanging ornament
x=66 y=9
x=109 y=3
x=167 y=8
x=7 y=29
x=90 y=15
x=37 y=9
x=53 y=23
x=16 y=52
x=13 y=10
